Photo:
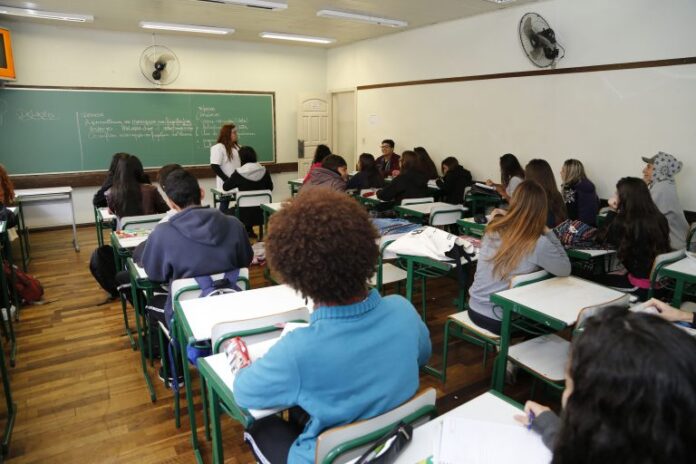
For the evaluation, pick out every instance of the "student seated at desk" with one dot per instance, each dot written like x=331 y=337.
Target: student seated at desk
x=659 y=173
x=579 y=193
x=99 y=199
x=320 y=153
x=129 y=196
x=361 y=353
x=389 y=163
x=368 y=175
x=517 y=243
x=162 y=175
x=7 y=195
x=332 y=174
x=250 y=176
x=639 y=232
x=455 y=179
x=511 y=175
x=426 y=163
x=540 y=171
x=630 y=394
x=411 y=182
x=196 y=241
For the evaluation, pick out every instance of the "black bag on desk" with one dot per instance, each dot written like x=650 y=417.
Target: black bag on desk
x=102 y=265
x=8 y=216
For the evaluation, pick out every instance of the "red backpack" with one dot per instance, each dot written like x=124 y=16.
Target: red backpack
x=28 y=288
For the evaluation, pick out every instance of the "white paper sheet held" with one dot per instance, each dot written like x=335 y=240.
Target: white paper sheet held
x=477 y=442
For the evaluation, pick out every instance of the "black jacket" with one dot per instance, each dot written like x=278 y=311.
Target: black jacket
x=409 y=184
x=453 y=185
x=362 y=180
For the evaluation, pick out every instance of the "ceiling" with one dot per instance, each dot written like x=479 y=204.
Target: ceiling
x=299 y=18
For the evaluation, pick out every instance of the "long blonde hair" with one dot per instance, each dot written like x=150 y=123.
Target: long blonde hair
x=520 y=228
x=573 y=172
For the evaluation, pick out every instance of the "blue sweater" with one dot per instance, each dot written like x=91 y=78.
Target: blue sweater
x=353 y=362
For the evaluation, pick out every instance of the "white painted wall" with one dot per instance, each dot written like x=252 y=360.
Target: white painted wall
x=70 y=56
x=608 y=119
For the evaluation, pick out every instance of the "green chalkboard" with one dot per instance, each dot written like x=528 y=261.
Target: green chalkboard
x=65 y=130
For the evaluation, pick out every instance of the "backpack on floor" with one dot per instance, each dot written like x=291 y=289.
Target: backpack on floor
x=28 y=288
x=103 y=267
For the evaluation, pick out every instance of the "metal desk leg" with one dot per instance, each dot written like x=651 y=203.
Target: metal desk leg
x=409 y=279
x=678 y=292
x=23 y=238
x=11 y=405
x=6 y=301
x=74 y=226
x=183 y=343
x=141 y=343
x=501 y=359
x=214 y=399
x=98 y=225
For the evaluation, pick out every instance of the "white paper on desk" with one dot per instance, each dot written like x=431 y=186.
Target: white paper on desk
x=476 y=442
x=259 y=349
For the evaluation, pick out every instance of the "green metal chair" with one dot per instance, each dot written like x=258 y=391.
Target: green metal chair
x=345 y=443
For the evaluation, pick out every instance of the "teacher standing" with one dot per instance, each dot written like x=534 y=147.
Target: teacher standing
x=224 y=157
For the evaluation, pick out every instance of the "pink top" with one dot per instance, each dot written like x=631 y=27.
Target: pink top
x=311 y=168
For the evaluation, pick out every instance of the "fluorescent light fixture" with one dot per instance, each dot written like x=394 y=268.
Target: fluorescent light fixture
x=335 y=14
x=500 y=2
x=29 y=13
x=263 y=4
x=296 y=38
x=186 y=28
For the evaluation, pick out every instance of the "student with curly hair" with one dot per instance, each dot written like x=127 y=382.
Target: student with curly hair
x=632 y=403
x=361 y=353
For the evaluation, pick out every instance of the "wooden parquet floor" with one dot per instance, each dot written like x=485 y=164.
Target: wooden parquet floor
x=79 y=388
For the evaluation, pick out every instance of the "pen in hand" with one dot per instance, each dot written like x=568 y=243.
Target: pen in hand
x=530 y=418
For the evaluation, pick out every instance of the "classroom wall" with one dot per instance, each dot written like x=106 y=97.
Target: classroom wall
x=71 y=56
x=607 y=119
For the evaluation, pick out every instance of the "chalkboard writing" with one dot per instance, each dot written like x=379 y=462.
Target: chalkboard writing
x=79 y=130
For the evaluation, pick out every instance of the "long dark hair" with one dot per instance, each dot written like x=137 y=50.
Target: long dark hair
x=510 y=167
x=126 y=197
x=427 y=166
x=369 y=167
x=321 y=152
x=540 y=171
x=638 y=221
x=114 y=161
x=247 y=155
x=634 y=392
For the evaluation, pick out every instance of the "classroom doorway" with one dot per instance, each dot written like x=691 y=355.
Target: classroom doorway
x=313 y=128
x=343 y=120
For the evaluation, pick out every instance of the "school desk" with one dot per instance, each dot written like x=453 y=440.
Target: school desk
x=103 y=218
x=220 y=195
x=488 y=407
x=554 y=303
x=468 y=226
x=477 y=201
x=295 y=185
x=422 y=211
x=7 y=289
x=142 y=290
x=195 y=318
x=683 y=272
x=40 y=195
x=216 y=373
x=123 y=244
x=268 y=210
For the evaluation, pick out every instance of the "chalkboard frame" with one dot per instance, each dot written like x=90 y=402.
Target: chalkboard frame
x=154 y=90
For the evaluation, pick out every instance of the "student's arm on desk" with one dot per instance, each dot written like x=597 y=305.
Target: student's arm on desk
x=154 y=257
x=392 y=190
x=272 y=381
x=231 y=182
x=550 y=255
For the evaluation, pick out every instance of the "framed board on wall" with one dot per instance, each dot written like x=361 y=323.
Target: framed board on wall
x=60 y=129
